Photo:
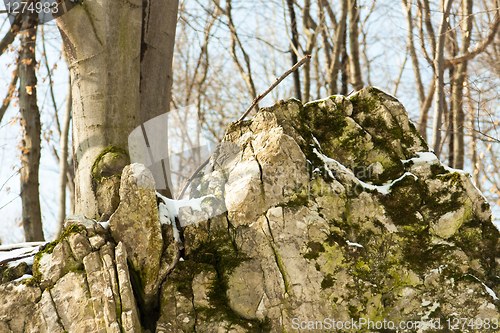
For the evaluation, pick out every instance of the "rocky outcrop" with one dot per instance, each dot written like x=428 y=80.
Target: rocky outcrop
x=335 y=213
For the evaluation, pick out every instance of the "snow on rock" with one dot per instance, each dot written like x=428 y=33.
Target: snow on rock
x=380 y=229
x=382 y=189
x=171 y=208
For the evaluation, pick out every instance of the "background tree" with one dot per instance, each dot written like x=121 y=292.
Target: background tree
x=30 y=122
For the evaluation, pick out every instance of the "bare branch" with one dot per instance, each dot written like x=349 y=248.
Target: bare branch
x=11 y=34
x=10 y=93
x=479 y=47
x=245 y=114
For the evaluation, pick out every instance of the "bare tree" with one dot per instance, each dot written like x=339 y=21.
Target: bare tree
x=439 y=103
x=355 y=66
x=63 y=160
x=294 y=47
x=30 y=122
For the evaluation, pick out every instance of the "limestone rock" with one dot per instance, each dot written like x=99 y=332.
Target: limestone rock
x=16 y=308
x=335 y=209
x=75 y=287
x=136 y=224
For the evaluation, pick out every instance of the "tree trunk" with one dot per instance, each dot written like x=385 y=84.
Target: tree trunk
x=120 y=62
x=31 y=142
x=413 y=54
x=294 y=47
x=344 y=66
x=438 y=77
x=355 y=67
x=63 y=162
x=458 y=90
x=339 y=36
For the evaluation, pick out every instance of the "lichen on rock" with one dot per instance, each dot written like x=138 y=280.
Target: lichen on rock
x=332 y=209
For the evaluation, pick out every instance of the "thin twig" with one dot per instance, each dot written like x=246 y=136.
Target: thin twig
x=256 y=101
x=278 y=81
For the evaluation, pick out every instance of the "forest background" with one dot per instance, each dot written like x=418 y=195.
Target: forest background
x=441 y=59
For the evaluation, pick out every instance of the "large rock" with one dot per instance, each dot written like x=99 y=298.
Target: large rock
x=80 y=283
x=334 y=210
x=136 y=224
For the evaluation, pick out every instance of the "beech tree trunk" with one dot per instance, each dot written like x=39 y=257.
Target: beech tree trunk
x=120 y=59
x=31 y=142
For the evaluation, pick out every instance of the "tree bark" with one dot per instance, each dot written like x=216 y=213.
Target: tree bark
x=355 y=66
x=344 y=66
x=294 y=47
x=339 y=36
x=30 y=122
x=120 y=62
x=460 y=73
x=63 y=162
x=438 y=77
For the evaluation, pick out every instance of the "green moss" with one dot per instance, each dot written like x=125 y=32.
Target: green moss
x=282 y=269
x=314 y=250
x=298 y=199
x=404 y=201
x=453 y=178
x=437 y=169
x=328 y=281
x=362 y=105
x=362 y=270
x=49 y=248
x=218 y=254
x=110 y=162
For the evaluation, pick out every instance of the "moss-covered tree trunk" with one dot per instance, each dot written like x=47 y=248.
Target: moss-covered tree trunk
x=120 y=56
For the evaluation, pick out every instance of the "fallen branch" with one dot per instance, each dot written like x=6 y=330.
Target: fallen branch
x=245 y=114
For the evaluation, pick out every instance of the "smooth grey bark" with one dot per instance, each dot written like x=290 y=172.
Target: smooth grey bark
x=31 y=141
x=438 y=77
x=120 y=59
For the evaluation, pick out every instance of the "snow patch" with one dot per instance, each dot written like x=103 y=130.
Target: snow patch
x=104 y=224
x=24 y=277
x=21 y=245
x=427 y=157
x=349 y=243
x=382 y=189
x=24 y=254
x=489 y=291
x=169 y=211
